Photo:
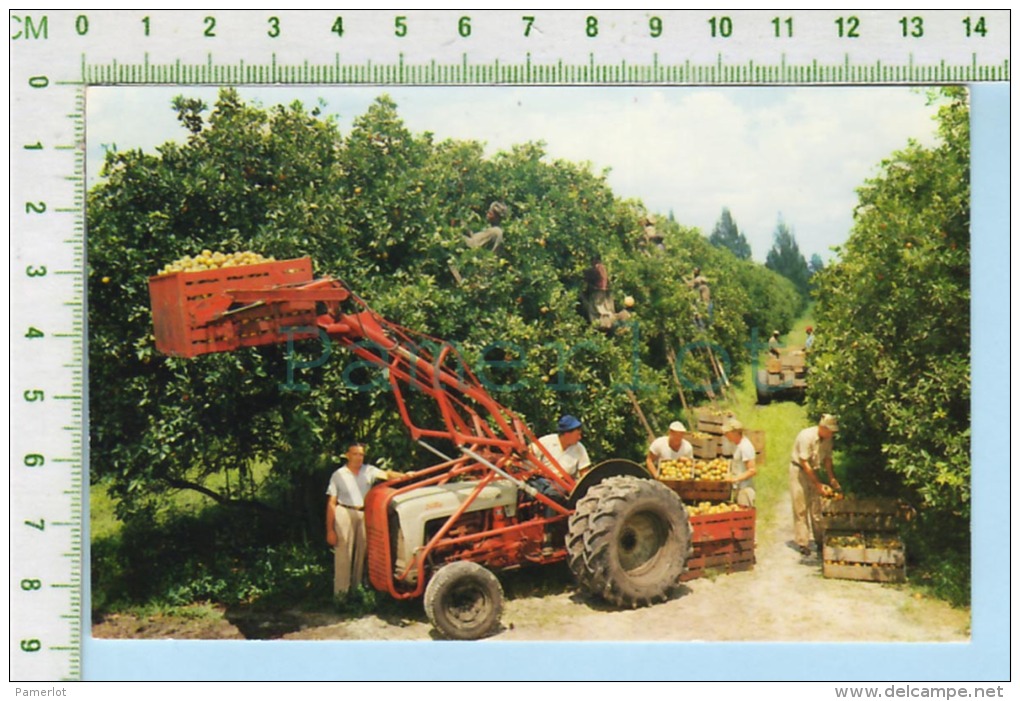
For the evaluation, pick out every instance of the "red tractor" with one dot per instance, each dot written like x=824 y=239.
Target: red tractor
x=442 y=530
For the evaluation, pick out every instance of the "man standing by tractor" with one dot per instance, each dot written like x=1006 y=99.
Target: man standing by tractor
x=345 y=517
x=742 y=467
x=669 y=447
x=811 y=450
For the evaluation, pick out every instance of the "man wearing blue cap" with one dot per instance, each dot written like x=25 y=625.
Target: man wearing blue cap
x=565 y=446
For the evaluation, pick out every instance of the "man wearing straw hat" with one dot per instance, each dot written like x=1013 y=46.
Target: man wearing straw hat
x=811 y=450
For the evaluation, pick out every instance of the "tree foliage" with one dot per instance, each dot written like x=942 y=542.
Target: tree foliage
x=893 y=350
x=726 y=235
x=786 y=259
x=385 y=210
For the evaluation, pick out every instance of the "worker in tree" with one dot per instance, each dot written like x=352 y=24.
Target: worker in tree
x=597 y=299
x=345 y=516
x=669 y=447
x=491 y=237
x=652 y=239
x=699 y=283
x=812 y=450
x=742 y=467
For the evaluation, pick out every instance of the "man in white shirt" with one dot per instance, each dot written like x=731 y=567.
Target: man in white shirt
x=742 y=467
x=669 y=447
x=345 y=517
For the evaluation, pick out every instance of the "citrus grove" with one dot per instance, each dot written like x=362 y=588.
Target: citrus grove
x=385 y=210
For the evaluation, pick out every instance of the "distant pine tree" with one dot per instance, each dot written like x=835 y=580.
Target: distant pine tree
x=726 y=235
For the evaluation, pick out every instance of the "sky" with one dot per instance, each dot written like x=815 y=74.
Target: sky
x=765 y=153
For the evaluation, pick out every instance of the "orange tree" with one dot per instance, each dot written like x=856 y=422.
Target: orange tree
x=385 y=210
x=893 y=349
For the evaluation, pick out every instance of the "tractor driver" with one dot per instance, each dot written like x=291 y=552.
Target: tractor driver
x=345 y=516
x=565 y=446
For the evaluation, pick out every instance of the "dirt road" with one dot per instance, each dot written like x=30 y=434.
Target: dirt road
x=784 y=598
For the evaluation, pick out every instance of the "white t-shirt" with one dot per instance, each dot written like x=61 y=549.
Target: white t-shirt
x=743 y=452
x=661 y=451
x=350 y=489
x=572 y=460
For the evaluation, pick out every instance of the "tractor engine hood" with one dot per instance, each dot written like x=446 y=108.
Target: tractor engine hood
x=416 y=508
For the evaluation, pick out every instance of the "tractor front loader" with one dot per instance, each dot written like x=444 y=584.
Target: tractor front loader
x=441 y=531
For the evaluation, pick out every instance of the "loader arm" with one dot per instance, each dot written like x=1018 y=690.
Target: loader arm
x=221 y=311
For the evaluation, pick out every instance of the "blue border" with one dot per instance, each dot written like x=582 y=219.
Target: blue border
x=985 y=658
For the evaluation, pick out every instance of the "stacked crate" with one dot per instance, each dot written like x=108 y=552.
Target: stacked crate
x=722 y=535
x=862 y=540
x=723 y=543
x=788 y=370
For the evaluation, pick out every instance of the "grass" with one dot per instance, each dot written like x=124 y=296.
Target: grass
x=781 y=421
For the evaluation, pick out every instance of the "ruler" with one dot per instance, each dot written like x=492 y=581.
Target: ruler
x=57 y=55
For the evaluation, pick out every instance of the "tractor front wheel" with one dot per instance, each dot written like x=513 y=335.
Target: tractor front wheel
x=629 y=541
x=464 y=601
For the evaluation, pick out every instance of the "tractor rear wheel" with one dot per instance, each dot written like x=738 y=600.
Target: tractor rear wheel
x=464 y=601
x=629 y=541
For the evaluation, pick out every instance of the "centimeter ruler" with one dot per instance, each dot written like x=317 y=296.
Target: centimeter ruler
x=55 y=56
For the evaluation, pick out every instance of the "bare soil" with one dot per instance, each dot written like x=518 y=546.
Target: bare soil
x=784 y=598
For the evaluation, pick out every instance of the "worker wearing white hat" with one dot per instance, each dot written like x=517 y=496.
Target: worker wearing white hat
x=669 y=447
x=812 y=450
x=742 y=467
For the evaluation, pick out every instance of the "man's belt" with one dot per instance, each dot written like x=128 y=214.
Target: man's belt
x=355 y=508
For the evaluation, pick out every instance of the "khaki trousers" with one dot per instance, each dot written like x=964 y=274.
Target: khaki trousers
x=807 y=508
x=349 y=553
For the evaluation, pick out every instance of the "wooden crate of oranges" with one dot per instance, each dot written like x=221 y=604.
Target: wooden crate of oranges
x=723 y=538
x=696 y=480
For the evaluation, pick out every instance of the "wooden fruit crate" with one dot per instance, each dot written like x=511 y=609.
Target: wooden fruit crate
x=868 y=562
x=725 y=557
x=792 y=361
x=705 y=447
x=858 y=514
x=732 y=525
x=710 y=422
x=692 y=491
x=194 y=313
x=722 y=542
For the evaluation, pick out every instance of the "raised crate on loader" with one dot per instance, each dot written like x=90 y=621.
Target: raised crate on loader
x=207 y=311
